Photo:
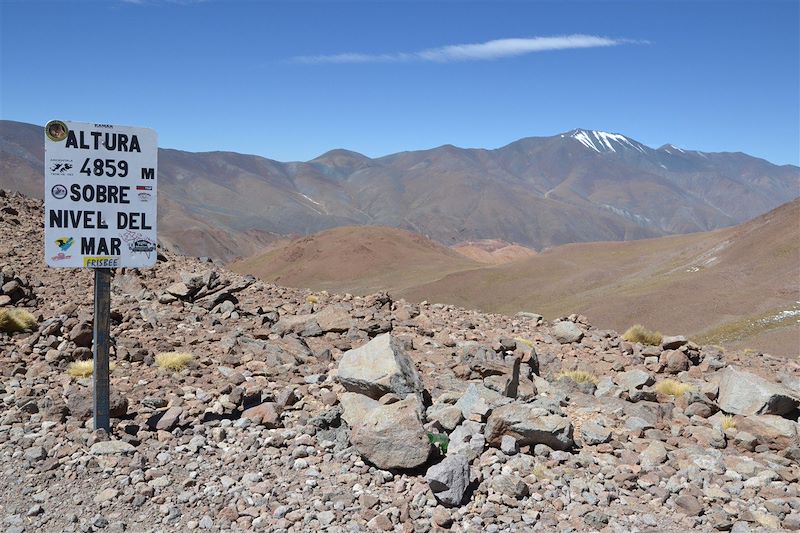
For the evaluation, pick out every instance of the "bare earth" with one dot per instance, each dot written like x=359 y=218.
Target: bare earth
x=737 y=287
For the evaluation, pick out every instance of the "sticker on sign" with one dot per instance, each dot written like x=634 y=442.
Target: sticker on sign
x=100 y=190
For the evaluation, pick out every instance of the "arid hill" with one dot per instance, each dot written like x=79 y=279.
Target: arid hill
x=357 y=259
x=493 y=252
x=738 y=286
x=579 y=186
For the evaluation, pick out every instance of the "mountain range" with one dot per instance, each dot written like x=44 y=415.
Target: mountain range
x=578 y=186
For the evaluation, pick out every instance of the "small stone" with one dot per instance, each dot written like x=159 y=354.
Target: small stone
x=567 y=332
x=510 y=485
x=508 y=445
x=106 y=495
x=112 y=447
x=35 y=453
x=689 y=505
x=593 y=433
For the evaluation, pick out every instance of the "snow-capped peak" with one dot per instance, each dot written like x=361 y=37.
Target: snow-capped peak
x=601 y=141
x=671 y=148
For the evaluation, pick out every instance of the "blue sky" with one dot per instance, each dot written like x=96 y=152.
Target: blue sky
x=270 y=78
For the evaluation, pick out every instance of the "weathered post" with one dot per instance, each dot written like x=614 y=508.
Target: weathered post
x=102 y=334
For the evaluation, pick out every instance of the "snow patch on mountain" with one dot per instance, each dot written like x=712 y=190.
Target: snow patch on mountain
x=602 y=141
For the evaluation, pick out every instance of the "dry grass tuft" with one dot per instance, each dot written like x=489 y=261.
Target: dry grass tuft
x=173 y=360
x=540 y=472
x=85 y=368
x=312 y=299
x=642 y=335
x=12 y=320
x=673 y=388
x=526 y=342
x=728 y=423
x=579 y=376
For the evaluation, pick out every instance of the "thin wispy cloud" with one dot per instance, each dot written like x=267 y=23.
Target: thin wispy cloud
x=488 y=51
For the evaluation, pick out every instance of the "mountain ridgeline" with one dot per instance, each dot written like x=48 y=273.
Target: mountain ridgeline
x=578 y=186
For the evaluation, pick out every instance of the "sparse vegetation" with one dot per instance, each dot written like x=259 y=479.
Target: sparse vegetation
x=642 y=335
x=673 y=388
x=174 y=361
x=728 y=423
x=748 y=327
x=85 y=368
x=12 y=320
x=526 y=342
x=440 y=441
x=312 y=299
x=539 y=472
x=579 y=376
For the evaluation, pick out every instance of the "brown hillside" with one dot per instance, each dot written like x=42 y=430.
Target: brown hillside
x=357 y=259
x=493 y=252
x=738 y=286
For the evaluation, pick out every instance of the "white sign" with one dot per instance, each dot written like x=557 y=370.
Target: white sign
x=100 y=195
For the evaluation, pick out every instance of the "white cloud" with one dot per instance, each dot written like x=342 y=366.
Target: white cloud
x=487 y=51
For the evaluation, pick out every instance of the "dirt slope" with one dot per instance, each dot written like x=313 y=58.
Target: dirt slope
x=738 y=286
x=357 y=259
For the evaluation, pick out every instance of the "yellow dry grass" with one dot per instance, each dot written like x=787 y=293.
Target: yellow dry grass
x=579 y=376
x=642 y=335
x=526 y=342
x=312 y=299
x=728 y=423
x=673 y=388
x=174 y=361
x=85 y=368
x=12 y=320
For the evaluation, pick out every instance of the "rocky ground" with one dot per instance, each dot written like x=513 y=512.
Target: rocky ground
x=317 y=412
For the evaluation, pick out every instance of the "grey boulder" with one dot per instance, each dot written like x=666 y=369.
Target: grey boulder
x=566 y=332
x=530 y=426
x=391 y=436
x=743 y=393
x=449 y=480
x=379 y=367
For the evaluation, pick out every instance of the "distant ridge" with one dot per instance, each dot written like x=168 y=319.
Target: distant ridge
x=577 y=186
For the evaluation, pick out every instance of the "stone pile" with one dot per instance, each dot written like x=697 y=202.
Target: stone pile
x=301 y=411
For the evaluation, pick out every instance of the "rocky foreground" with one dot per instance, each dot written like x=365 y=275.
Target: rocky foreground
x=316 y=412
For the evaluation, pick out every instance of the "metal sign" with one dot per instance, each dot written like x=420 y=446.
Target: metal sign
x=100 y=195
x=100 y=213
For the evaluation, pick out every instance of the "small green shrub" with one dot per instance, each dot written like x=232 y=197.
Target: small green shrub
x=12 y=320
x=673 y=388
x=440 y=441
x=579 y=376
x=174 y=361
x=642 y=335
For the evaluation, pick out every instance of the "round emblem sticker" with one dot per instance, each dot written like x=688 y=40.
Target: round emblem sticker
x=58 y=191
x=56 y=130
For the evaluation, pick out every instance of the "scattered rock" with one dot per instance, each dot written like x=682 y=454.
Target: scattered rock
x=391 y=436
x=379 y=367
x=449 y=480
